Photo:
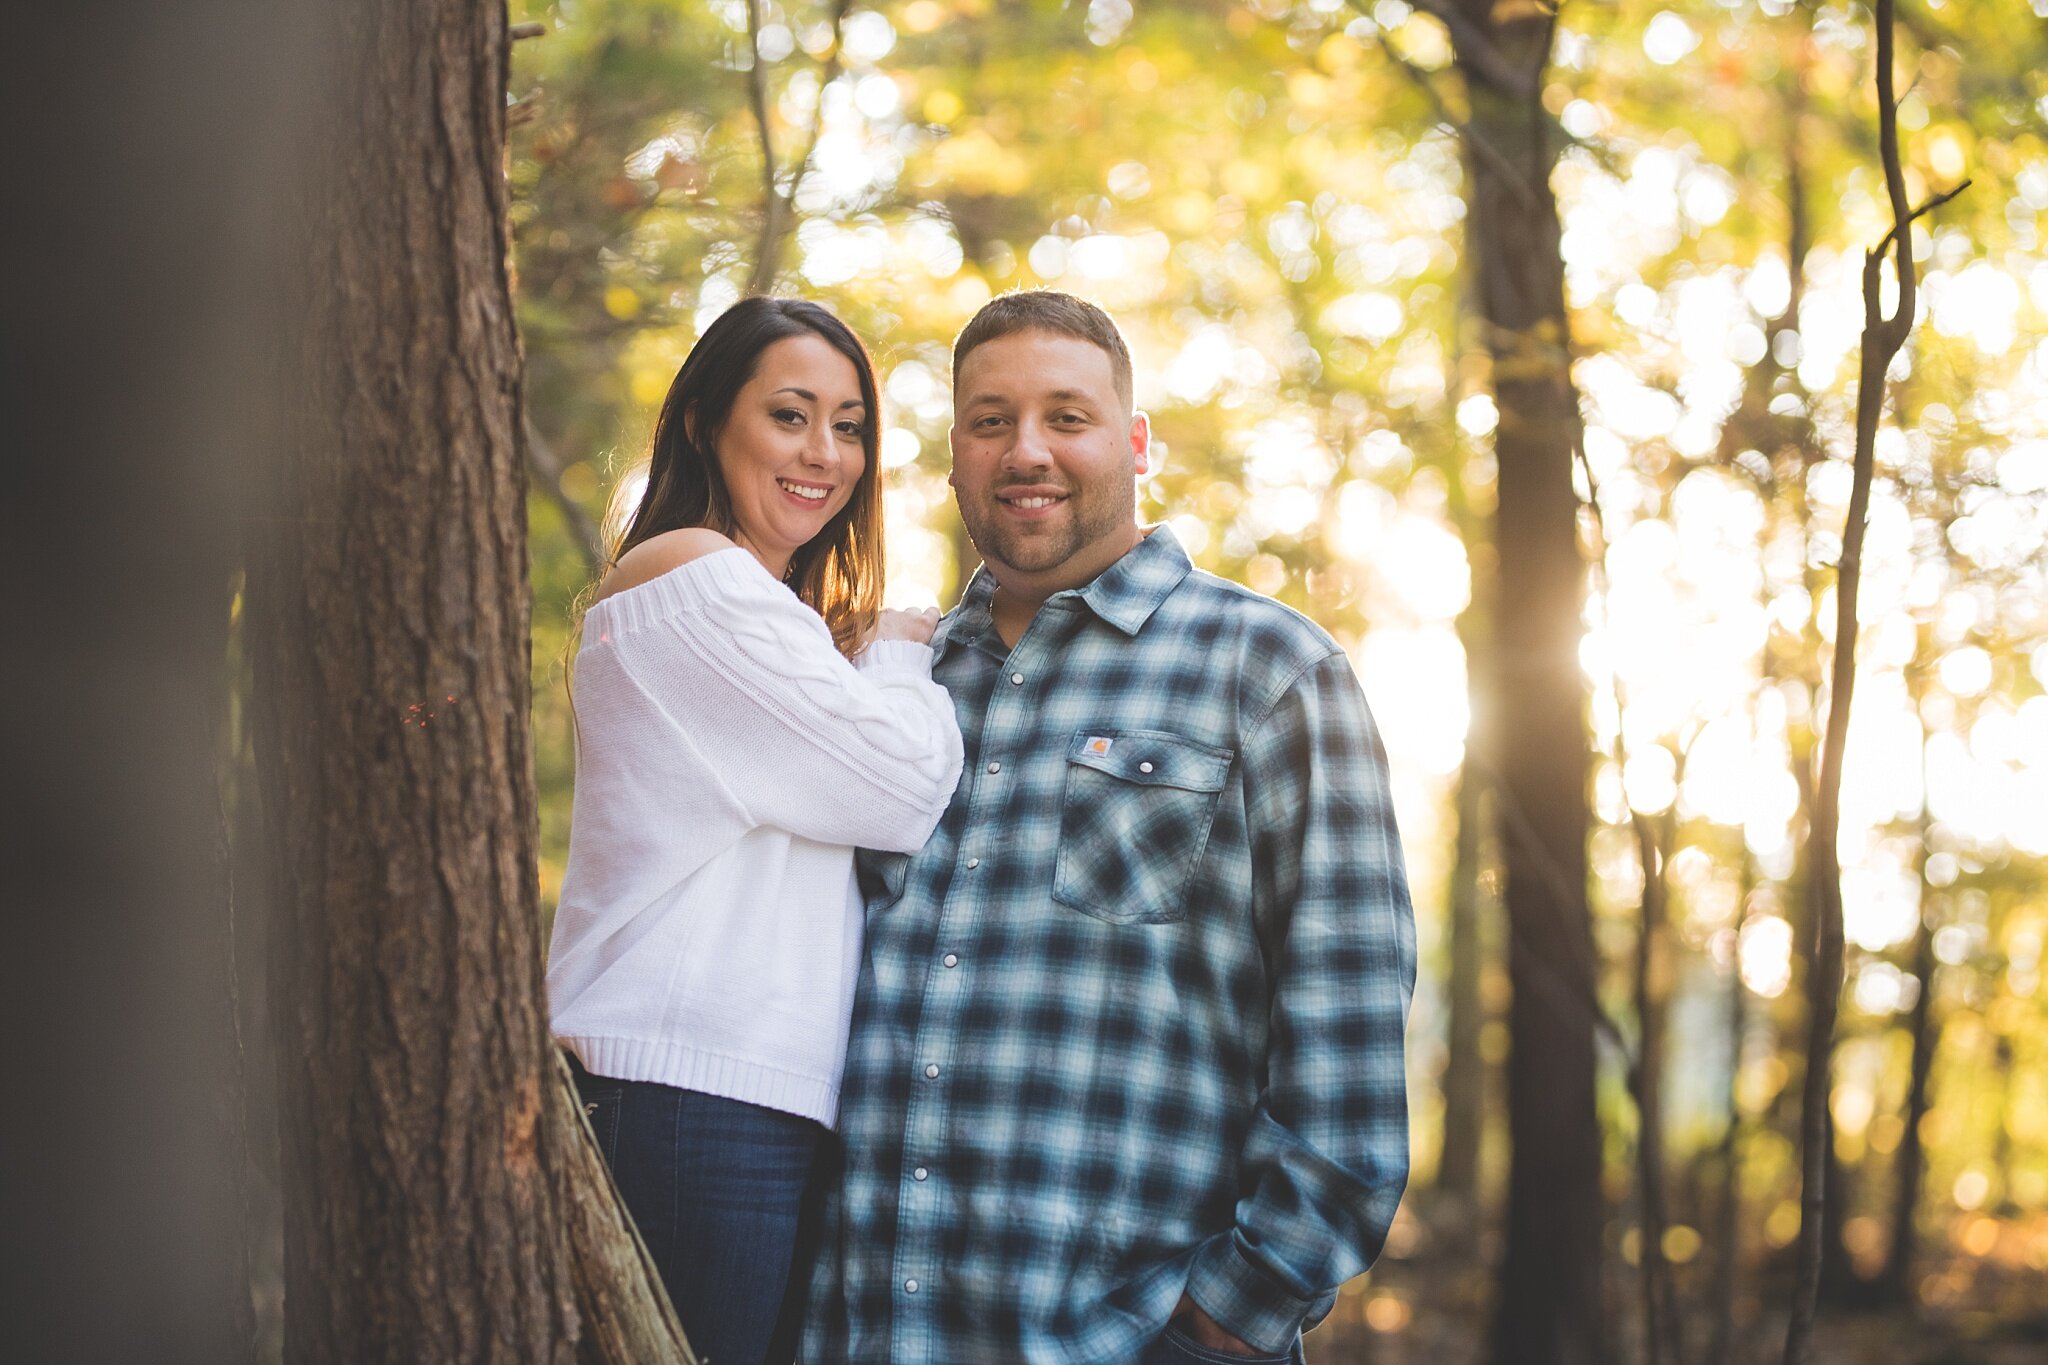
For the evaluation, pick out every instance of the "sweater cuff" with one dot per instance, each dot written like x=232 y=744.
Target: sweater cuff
x=1244 y=1299
x=895 y=656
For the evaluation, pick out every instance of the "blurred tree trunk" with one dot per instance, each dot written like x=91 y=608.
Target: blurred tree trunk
x=442 y=1199
x=1464 y=1069
x=1655 y=838
x=1725 y=1231
x=1550 y=1308
x=1895 y=1282
x=143 y=151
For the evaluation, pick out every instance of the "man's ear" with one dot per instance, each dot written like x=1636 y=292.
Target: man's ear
x=1141 y=442
x=953 y=445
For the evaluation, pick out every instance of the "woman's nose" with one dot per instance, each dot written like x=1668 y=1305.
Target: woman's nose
x=821 y=451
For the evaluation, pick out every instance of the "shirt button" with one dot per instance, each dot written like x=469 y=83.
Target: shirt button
x=1017 y=678
x=951 y=959
x=910 y=1286
x=973 y=863
x=995 y=767
x=931 y=1071
x=1144 y=767
x=920 y=1174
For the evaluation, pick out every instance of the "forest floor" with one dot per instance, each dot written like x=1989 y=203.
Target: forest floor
x=1431 y=1303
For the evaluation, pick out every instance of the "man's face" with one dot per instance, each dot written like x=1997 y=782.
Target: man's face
x=1045 y=459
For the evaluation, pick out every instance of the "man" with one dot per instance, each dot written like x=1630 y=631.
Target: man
x=1126 y=1080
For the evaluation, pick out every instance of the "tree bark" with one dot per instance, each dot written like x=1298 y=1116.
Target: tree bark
x=1550 y=1310
x=438 y=1179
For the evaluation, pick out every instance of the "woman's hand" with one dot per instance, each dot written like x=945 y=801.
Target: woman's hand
x=915 y=626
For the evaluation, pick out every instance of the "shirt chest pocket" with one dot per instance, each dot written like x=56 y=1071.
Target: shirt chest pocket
x=1134 y=819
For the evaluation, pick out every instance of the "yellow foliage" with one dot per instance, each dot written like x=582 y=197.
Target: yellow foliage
x=1339 y=52
x=921 y=16
x=1251 y=180
x=622 y=303
x=1426 y=45
x=1188 y=213
x=975 y=163
x=1309 y=91
x=649 y=387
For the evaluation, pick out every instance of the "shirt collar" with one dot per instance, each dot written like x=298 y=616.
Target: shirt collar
x=1125 y=594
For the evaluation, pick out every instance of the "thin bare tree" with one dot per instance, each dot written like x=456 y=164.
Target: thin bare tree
x=1882 y=339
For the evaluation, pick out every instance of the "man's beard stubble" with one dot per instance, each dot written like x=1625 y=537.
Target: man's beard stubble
x=1090 y=517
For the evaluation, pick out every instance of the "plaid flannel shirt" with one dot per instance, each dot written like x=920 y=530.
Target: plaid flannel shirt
x=1131 y=1023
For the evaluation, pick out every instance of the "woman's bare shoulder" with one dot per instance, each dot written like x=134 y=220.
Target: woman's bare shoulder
x=657 y=555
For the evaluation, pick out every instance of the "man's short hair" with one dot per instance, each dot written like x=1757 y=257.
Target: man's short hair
x=1048 y=310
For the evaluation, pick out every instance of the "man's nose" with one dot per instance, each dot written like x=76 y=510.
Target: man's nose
x=1031 y=450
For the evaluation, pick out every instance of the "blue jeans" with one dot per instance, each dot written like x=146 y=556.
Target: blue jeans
x=722 y=1194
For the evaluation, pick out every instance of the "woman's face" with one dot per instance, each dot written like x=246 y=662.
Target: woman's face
x=791 y=449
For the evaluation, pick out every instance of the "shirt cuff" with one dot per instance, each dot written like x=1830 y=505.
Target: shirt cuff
x=895 y=656
x=1244 y=1299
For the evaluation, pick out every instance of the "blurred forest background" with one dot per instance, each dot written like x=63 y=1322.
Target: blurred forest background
x=1274 y=200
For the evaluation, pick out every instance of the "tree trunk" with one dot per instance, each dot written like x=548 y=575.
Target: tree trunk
x=436 y=1170
x=1894 y=1286
x=1464 y=1069
x=1895 y=1282
x=1550 y=1310
x=133 y=315
x=1654 y=838
x=1727 y=1215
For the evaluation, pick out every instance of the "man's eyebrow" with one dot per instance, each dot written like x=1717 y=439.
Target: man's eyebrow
x=1057 y=396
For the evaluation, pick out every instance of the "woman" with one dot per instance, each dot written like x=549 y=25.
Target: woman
x=729 y=758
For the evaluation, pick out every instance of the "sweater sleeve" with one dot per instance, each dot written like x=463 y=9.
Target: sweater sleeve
x=801 y=739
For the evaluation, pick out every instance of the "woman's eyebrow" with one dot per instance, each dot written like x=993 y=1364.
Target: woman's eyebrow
x=810 y=397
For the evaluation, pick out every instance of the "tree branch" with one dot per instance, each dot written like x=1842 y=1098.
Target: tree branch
x=1480 y=56
x=627 y=1318
x=780 y=208
x=835 y=64
x=545 y=468
x=771 y=201
x=1464 y=131
x=1928 y=207
x=533 y=30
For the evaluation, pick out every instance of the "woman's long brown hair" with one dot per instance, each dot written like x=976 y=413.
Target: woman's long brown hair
x=838 y=572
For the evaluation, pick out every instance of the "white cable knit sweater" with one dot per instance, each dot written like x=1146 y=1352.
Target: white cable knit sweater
x=728 y=760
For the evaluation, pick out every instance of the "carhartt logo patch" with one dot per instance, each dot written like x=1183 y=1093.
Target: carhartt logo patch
x=1098 y=744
